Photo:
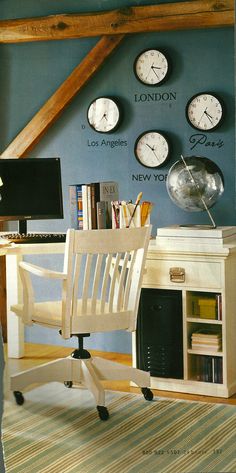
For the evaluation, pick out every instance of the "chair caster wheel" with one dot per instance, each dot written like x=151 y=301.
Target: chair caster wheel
x=68 y=384
x=147 y=393
x=103 y=412
x=19 y=398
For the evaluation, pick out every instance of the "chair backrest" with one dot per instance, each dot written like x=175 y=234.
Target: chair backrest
x=104 y=269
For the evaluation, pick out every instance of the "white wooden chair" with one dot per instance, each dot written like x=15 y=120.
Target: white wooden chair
x=101 y=283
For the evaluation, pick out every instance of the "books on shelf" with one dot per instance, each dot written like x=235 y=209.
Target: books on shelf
x=209 y=369
x=207 y=306
x=206 y=340
x=90 y=204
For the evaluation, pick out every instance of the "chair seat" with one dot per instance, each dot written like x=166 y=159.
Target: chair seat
x=49 y=314
x=45 y=313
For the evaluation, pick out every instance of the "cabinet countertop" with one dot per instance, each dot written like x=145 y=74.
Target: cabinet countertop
x=162 y=248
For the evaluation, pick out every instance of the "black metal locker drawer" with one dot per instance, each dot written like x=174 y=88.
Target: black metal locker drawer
x=160 y=333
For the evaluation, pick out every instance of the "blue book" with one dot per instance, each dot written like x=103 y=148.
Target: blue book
x=76 y=206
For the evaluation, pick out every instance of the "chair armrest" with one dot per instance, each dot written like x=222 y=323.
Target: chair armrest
x=42 y=272
x=28 y=292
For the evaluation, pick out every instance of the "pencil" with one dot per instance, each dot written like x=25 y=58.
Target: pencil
x=139 y=197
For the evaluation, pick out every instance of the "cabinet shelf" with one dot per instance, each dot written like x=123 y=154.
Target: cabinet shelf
x=205 y=384
x=204 y=321
x=204 y=352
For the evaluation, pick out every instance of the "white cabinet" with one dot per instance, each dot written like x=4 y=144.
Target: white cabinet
x=206 y=279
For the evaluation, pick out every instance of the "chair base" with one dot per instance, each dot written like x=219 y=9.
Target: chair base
x=88 y=372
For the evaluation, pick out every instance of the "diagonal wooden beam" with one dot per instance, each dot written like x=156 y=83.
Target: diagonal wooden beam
x=51 y=110
x=163 y=17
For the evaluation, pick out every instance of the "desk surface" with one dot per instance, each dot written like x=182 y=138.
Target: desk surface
x=154 y=247
x=32 y=248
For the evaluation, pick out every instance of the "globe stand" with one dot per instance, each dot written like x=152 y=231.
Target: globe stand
x=199 y=193
x=198 y=226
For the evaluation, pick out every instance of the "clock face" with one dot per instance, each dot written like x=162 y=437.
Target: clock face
x=104 y=114
x=204 y=111
x=152 y=149
x=151 y=67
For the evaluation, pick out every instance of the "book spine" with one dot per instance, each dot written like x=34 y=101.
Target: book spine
x=95 y=197
x=73 y=207
x=79 y=207
x=219 y=306
x=101 y=215
x=85 y=206
x=109 y=192
x=89 y=207
x=219 y=370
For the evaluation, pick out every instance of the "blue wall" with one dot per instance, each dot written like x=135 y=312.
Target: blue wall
x=202 y=60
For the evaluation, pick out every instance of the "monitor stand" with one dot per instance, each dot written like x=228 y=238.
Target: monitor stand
x=22 y=227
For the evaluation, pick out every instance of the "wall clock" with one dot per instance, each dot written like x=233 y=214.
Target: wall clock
x=152 y=149
x=204 y=111
x=152 y=67
x=104 y=114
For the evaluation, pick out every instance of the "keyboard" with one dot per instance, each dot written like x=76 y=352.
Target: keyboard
x=33 y=237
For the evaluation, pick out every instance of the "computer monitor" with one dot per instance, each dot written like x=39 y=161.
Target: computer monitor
x=30 y=190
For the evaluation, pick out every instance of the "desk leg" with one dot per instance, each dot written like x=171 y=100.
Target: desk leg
x=15 y=327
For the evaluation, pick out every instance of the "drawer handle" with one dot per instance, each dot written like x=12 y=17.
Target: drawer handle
x=177 y=274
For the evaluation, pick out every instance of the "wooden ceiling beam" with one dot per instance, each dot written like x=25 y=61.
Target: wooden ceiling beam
x=52 y=109
x=164 y=17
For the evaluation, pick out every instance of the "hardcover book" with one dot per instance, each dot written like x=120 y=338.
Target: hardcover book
x=198 y=231
x=76 y=208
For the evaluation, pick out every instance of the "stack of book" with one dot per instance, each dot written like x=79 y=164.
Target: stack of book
x=195 y=236
x=90 y=204
x=206 y=340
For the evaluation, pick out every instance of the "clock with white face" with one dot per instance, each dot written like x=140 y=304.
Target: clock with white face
x=205 y=111
x=104 y=114
x=152 y=149
x=151 y=67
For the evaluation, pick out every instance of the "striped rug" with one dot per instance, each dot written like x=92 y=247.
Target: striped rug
x=57 y=430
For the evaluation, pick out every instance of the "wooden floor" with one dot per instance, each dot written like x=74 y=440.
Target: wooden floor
x=37 y=354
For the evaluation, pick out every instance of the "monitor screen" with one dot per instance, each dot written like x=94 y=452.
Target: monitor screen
x=30 y=189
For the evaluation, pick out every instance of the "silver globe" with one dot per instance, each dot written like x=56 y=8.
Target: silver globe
x=194 y=183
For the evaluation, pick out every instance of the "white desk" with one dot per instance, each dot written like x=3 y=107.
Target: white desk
x=196 y=271
x=14 y=254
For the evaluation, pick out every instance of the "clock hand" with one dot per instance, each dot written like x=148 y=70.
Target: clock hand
x=104 y=116
x=210 y=118
x=202 y=116
x=155 y=154
x=153 y=150
x=153 y=70
x=155 y=67
x=149 y=71
x=149 y=146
